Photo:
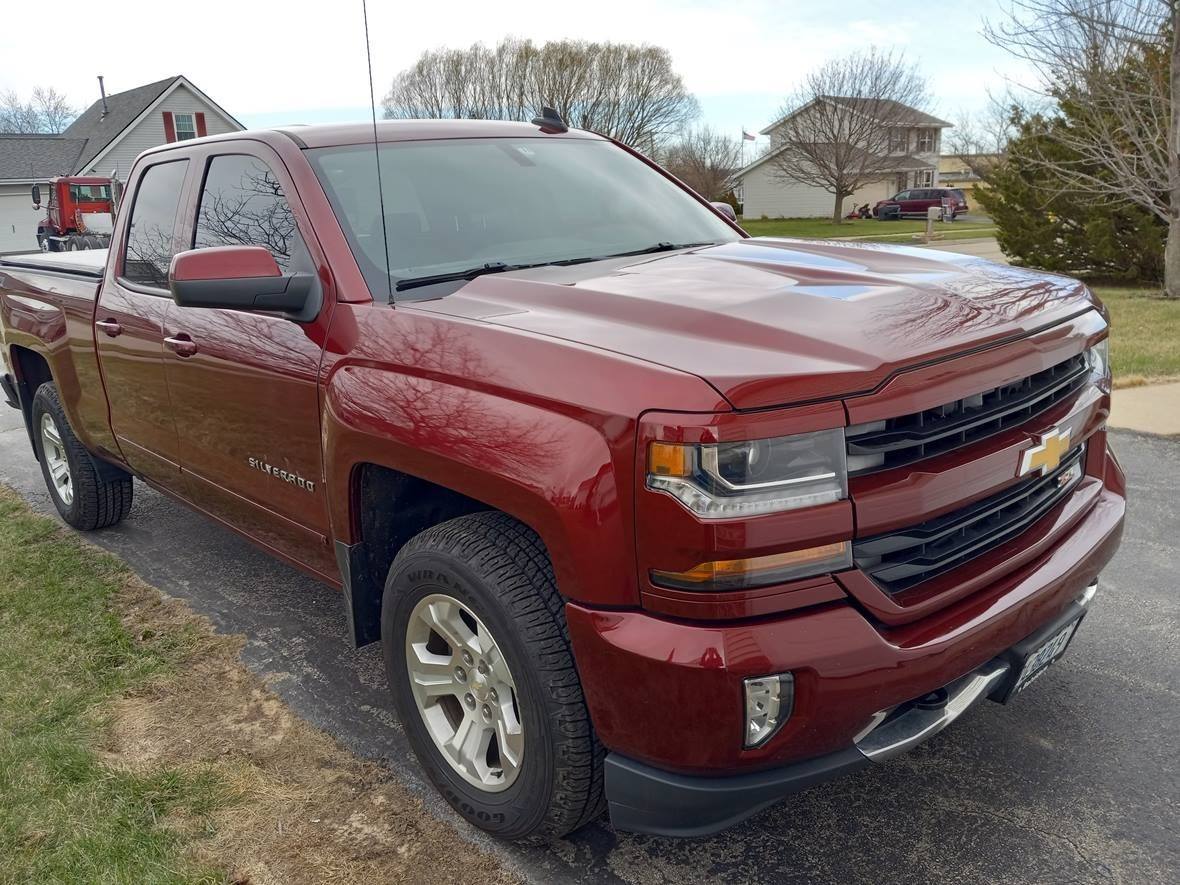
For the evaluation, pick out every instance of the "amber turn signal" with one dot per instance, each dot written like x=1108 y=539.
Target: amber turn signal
x=758 y=571
x=669 y=459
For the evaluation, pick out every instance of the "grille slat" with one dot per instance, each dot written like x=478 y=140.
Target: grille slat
x=909 y=438
x=899 y=560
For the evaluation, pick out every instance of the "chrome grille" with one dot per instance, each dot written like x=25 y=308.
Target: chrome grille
x=901 y=559
x=903 y=440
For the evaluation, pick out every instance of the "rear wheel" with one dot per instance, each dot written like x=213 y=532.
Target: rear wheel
x=479 y=664
x=73 y=243
x=86 y=497
x=90 y=242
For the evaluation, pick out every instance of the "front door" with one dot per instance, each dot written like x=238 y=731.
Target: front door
x=129 y=325
x=244 y=387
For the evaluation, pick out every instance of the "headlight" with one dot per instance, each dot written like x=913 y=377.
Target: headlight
x=1098 y=358
x=733 y=479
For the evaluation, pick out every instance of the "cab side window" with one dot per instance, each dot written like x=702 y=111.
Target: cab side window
x=150 y=234
x=242 y=204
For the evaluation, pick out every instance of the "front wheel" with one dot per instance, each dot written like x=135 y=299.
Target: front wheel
x=85 y=497
x=479 y=664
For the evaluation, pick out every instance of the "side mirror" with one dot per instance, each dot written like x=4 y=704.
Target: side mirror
x=726 y=210
x=36 y=196
x=241 y=278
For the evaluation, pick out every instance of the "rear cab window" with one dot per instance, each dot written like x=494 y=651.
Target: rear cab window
x=151 y=229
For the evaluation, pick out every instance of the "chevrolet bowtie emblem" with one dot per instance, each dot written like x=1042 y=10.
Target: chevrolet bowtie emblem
x=1046 y=454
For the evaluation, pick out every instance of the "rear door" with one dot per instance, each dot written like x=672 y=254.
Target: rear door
x=129 y=326
x=245 y=385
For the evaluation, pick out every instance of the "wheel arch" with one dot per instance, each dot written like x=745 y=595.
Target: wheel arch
x=30 y=369
x=403 y=453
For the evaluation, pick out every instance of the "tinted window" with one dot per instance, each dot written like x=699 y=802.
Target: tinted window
x=904 y=195
x=456 y=204
x=150 y=236
x=242 y=204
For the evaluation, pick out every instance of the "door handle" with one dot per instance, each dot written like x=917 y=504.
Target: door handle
x=181 y=344
x=110 y=327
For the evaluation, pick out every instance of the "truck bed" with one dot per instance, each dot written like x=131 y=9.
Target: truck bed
x=88 y=263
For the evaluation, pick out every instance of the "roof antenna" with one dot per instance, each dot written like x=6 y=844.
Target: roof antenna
x=103 y=92
x=376 y=155
x=550 y=121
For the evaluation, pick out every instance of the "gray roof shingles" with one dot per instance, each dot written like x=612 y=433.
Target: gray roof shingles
x=38 y=156
x=99 y=130
x=44 y=156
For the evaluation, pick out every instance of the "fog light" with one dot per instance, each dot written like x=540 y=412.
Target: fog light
x=769 y=702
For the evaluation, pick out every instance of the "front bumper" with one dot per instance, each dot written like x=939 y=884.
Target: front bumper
x=665 y=694
x=645 y=799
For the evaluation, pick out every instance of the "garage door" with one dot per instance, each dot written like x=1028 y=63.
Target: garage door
x=18 y=221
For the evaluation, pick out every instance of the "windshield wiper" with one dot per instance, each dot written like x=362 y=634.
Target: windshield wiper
x=470 y=274
x=500 y=267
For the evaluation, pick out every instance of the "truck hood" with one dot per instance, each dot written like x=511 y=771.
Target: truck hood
x=771 y=322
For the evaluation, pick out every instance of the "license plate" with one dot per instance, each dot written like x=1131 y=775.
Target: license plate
x=1037 y=662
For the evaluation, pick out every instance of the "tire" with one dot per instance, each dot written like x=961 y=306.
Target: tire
x=89 y=501
x=90 y=242
x=498 y=570
x=73 y=243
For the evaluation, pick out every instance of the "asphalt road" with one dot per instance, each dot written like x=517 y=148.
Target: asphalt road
x=1076 y=782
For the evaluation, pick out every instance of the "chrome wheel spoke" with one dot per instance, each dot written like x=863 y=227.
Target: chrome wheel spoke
x=443 y=617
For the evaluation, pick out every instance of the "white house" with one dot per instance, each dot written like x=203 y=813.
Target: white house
x=914 y=140
x=104 y=140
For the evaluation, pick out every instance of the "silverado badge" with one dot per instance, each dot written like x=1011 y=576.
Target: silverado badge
x=285 y=475
x=1046 y=454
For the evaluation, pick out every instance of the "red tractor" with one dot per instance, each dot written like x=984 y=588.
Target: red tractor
x=81 y=213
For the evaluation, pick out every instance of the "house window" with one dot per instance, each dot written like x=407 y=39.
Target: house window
x=899 y=141
x=926 y=178
x=186 y=126
x=926 y=140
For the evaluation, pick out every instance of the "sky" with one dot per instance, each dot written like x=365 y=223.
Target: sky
x=271 y=63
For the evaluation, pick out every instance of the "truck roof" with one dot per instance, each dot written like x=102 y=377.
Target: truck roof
x=326 y=134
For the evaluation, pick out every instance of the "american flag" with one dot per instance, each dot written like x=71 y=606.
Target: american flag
x=746 y=136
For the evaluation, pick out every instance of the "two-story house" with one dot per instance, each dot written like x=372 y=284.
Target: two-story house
x=104 y=140
x=906 y=151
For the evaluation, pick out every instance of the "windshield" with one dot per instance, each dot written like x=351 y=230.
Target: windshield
x=90 y=193
x=458 y=204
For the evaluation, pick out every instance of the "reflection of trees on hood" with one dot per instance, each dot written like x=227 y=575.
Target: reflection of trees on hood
x=253 y=212
x=981 y=294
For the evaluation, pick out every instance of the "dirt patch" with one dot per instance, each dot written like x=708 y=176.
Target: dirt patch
x=300 y=807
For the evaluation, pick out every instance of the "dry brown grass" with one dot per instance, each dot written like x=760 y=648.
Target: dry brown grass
x=300 y=807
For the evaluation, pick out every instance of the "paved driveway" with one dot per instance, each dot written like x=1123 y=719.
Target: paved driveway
x=1077 y=782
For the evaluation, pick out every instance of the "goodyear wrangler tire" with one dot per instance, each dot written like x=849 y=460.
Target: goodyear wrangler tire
x=85 y=498
x=479 y=664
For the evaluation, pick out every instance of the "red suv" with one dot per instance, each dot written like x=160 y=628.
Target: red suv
x=916 y=201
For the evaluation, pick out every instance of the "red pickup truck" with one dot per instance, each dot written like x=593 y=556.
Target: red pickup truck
x=649 y=516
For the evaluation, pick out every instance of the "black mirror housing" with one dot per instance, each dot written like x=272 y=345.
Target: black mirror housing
x=290 y=294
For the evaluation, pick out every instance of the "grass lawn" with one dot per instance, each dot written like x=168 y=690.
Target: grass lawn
x=135 y=747
x=1144 y=334
x=65 y=816
x=885 y=231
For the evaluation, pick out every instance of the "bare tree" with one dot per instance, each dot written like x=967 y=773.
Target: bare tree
x=846 y=124
x=626 y=91
x=705 y=160
x=47 y=111
x=1115 y=66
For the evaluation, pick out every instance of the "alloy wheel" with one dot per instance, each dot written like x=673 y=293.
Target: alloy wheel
x=54 y=453
x=464 y=692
